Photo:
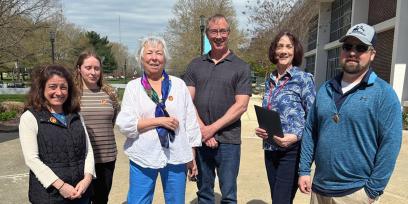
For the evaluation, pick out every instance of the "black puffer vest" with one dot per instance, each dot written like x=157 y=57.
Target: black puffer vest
x=63 y=149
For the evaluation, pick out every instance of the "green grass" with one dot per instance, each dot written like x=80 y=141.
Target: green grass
x=120 y=93
x=117 y=81
x=12 y=97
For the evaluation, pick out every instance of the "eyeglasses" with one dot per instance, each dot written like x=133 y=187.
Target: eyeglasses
x=359 y=48
x=222 y=32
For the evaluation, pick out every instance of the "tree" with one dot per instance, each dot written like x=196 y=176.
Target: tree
x=69 y=42
x=126 y=62
x=103 y=48
x=18 y=20
x=183 y=31
x=268 y=17
x=25 y=27
x=268 y=14
x=256 y=54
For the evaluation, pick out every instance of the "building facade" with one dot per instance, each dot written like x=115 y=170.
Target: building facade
x=335 y=17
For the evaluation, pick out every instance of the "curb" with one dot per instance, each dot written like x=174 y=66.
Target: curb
x=7 y=128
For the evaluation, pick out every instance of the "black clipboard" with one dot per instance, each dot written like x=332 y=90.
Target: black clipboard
x=269 y=120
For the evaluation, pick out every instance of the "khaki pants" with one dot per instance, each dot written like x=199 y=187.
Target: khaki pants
x=358 y=197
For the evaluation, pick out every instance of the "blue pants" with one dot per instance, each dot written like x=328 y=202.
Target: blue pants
x=282 y=171
x=142 y=182
x=225 y=159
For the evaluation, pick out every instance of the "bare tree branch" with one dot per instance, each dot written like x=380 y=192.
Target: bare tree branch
x=268 y=17
x=183 y=31
x=18 y=19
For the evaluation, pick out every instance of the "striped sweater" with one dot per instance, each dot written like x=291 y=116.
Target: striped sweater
x=98 y=112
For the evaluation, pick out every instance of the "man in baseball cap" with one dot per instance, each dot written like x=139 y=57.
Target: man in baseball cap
x=365 y=33
x=354 y=129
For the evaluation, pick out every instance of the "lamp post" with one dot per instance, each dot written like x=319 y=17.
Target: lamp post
x=52 y=39
x=125 y=69
x=202 y=27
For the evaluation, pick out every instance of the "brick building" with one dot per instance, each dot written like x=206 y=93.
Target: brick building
x=335 y=17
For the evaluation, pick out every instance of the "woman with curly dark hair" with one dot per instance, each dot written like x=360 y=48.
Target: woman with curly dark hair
x=54 y=140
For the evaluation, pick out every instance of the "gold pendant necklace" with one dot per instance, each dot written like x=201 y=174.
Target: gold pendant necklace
x=336 y=118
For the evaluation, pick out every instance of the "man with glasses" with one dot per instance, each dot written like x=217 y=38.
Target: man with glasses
x=220 y=85
x=353 y=131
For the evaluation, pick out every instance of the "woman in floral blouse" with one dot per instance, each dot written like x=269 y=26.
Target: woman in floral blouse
x=290 y=92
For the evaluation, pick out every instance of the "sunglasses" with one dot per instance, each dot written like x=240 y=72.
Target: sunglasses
x=359 y=48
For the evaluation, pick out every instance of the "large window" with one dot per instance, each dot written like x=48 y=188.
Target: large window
x=340 y=18
x=381 y=10
x=333 y=66
x=312 y=33
x=310 y=64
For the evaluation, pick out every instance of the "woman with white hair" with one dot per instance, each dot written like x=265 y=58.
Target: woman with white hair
x=159 y=120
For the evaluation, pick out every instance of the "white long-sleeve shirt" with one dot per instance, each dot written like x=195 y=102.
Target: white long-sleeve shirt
x=28 y=130
x=144 y=148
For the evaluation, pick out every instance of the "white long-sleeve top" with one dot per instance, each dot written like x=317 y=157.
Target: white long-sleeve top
x=144 y=148
x=28 y=130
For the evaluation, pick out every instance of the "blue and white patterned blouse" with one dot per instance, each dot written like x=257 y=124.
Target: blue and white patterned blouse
x=292 y=96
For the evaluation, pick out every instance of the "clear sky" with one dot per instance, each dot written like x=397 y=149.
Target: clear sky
x=137 y=18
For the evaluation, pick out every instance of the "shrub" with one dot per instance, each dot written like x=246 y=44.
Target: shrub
x=405 y=120
x=8 y=106
x=4 y=116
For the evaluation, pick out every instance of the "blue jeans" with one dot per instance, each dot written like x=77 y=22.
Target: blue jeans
x=142 y=182
x=225 y=159
x=282 y=171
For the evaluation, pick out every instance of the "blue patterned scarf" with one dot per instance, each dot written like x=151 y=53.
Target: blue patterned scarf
x=164 y=134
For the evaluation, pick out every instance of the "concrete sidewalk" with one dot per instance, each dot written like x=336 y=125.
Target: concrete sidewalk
x=252 y=182
x=253 y=186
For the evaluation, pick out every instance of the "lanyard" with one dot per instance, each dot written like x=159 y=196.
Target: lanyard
x=269 y=104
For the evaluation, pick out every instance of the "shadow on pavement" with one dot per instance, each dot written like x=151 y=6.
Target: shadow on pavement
x=217 y=199
x=256 y=202
x=4 y=137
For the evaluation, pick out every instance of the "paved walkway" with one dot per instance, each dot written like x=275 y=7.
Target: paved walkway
x=253 y=186
x=252 y=182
